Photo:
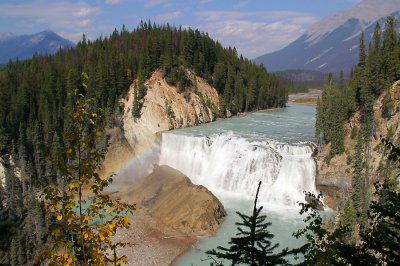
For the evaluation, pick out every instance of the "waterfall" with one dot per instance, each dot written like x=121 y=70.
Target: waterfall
x=227 y=163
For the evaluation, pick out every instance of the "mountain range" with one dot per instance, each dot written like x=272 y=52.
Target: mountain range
x=25 y=46
x=331 y=45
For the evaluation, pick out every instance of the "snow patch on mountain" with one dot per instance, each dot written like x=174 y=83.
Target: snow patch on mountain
x=313 y=50
x=367 y=11
x=6 y=36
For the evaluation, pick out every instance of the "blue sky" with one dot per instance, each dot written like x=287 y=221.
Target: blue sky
x=254 y=27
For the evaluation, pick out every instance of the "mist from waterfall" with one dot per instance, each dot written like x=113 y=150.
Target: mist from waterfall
x=231 y=156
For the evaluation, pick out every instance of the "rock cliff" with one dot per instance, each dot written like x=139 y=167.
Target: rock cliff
x=164 y=108
x=334 y=178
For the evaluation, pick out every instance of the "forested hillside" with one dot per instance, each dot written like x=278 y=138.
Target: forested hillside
x=377 y=69
x=354 y=123
x=35 y=106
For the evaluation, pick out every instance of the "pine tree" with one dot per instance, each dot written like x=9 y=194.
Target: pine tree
x=252 y=244
x=14 y=252
x=359 y=182
x=375 y=62
x=362 y=55
x=389 y=51
x=383 y=235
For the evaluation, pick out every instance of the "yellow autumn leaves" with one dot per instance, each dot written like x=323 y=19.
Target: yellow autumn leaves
x=83 y=227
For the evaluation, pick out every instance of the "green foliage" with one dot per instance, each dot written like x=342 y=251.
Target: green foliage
x=390 y=51
x=375 y=70
x=383 y=234
x=168 y=109
x=82 y=229
x=252 y=244
x=177 y=77
x=327 y=246
x=349 y=242
x=331 y=113
x=387 y=106
x=138 y=99
x=360 y=182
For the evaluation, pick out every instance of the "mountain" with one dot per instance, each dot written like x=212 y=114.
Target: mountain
x=25 y=46
x=331 y=45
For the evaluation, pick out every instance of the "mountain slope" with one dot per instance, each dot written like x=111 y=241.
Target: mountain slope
x=25 y=46
x=331 y=45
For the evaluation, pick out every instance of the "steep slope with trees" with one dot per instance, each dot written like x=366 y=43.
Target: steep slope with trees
x=352 y=119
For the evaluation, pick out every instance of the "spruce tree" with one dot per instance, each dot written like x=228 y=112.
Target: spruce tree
x=383 y=234
x=252 y=244
x=14 y=252
x=389 y=51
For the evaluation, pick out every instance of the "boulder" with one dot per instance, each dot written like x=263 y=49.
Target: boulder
x=172 y=199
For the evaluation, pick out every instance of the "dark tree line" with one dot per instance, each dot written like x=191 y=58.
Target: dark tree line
x=377 y=69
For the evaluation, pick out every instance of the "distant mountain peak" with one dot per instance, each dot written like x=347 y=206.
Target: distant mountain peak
x=332 y=44
x=6 y=36
x=366 y=11
x=25 y=46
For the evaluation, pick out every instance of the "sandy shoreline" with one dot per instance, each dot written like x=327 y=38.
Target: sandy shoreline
x=154 y=244
x=171 y=215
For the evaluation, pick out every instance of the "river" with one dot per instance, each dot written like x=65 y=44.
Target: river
x=231 y=156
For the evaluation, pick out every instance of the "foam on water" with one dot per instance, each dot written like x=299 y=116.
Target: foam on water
x=228 y=163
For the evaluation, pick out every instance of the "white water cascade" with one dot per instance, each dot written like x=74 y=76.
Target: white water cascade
x=227 y=163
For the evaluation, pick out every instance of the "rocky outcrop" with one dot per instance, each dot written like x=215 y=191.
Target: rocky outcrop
x=334 y=178
x=164 y=108
x=172 y=199
x=2 y=174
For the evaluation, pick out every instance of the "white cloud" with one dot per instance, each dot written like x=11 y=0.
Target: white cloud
x=168 y=17
x=241 y=4
x=91 y=33
x=86 y=11
x=114 y=2
x=154 y=3
x=218 y=15
x=255 y=33
x=60 y=15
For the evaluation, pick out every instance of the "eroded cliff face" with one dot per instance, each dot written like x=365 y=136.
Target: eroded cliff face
x=334 y=179
x=164 y=108
x=2 y=174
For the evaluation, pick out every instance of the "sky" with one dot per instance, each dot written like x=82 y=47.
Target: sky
x=254 y=27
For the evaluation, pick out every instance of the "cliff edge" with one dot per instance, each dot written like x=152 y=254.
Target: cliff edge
x=164 y=108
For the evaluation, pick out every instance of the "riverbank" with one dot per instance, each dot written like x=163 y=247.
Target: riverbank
x=171 y=214
x=153 y=243
x=305 y=98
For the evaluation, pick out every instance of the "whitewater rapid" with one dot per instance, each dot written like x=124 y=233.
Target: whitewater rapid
x=227 y=163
